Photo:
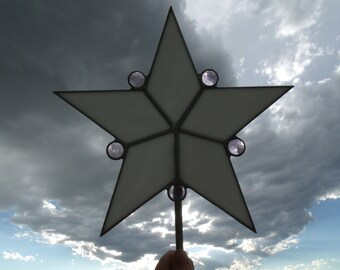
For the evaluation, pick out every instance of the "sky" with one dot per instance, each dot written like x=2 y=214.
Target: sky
x=57 y=181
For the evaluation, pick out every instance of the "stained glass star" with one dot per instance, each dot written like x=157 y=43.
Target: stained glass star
x=173 y=128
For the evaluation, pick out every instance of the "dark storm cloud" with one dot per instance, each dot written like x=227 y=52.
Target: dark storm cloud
x=207 y=54
x=48 y=150
x=61 y=44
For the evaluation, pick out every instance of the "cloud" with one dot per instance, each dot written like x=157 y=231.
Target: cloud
x=245 y=264
x=332 y=195
x=337 y=70
x=280 y=246
x=275 y=39
x=54 y=172
x=91 y=251
x=313 y=265
x=296 y=20
x=289 y=17
x=247 y=245
x=291 y=63
x=294 y=17
x=17 y=256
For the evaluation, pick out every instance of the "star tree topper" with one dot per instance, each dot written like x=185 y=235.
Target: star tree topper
x=173 y=128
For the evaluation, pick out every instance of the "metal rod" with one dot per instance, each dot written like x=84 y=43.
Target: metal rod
x=178 y=217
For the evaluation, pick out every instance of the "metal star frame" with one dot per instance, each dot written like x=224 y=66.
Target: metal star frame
x=173 y=130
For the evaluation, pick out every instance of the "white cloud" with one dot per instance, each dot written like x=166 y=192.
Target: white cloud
x=290 y=17
x=204 y=255
x=333 y=195
x=92 y=252
x=281 y=246
x=146 y=262
x=245 y=264
x=317 y=264
x=288 y=48
x=49 y=206
x=295 y=16
x=248 y=245
x=220 y=14
x=49 y=237
x=17 y=256
x=24 y=234
x=106 y=257
x=163 y=231
x=324 y=81
x=337 y=70
x=294 y=21
x=53 y=207
x=291 y=62
x=205 y=227
x=196 y=220
x=240 y=69
x=294 y=267
x=269 y=245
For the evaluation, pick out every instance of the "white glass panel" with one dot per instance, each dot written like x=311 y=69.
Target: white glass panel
x=127 y=115
x=206 y=168
x=147 y=169
x=220 y=113
x=173 y=80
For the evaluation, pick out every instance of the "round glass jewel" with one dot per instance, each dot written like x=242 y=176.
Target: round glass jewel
x=177 y=193
x=209 y=77
x=236 y=147
x=136 y=79
x=115 y=150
